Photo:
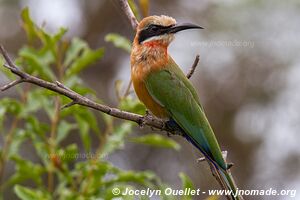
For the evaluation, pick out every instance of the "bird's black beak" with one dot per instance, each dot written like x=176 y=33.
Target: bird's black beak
x=183 y=26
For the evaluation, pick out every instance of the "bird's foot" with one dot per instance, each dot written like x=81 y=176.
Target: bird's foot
x=145 y=118
x=201 y=159
x=229 y=165
x=172 y=125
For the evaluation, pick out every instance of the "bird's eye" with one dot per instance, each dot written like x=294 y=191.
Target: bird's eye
x=154 y=28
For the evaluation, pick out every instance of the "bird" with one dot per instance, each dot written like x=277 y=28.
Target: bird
x=164 y=89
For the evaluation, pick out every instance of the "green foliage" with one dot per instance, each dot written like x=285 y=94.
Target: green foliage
x=63 y=169
x=80 y=56
x=134 y=9
x=144 y=4
x=186 y=183
x=31 y=194
x=119 y=41
x=157 y=141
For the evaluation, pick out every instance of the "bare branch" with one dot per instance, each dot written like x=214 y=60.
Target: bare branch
x=128 y=12
x=127 y=91
x=68 y=105
x=62 y=86
x=193 y=68
x=11 y=84
x=81 y=100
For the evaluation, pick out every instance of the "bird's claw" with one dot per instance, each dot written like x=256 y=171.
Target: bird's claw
x=145 y=118
x=229 y=165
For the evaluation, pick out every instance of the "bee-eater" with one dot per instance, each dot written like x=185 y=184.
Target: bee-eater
x=164 y=89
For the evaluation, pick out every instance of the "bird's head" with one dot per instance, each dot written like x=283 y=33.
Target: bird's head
x=159 y=30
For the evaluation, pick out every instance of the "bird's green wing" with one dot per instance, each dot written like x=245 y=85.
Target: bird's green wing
x=176 y=70
x=169 y=88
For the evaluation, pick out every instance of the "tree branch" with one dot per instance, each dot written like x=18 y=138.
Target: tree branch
x=193 y=68
x=11 y=84
x=129 y=14
x=81 y=100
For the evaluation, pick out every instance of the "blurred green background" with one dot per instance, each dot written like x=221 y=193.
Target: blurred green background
x=248 y=80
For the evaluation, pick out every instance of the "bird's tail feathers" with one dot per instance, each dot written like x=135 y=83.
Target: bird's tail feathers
x=224 y=175
x=228 y=183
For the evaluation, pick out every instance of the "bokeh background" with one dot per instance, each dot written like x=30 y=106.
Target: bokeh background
x=248 y=80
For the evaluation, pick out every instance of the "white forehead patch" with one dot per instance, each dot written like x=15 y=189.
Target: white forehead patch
x=165 y=37
x=163 y=20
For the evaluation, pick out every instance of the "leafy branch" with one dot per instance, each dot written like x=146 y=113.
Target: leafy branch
x=76 y=98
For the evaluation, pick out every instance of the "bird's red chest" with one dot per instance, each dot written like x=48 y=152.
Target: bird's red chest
x=141 y=67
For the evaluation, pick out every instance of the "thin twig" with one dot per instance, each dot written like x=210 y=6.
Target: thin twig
x=11 y=84
x=193 y=68
x=129 y=14
x=127 y=91
x=68 y=105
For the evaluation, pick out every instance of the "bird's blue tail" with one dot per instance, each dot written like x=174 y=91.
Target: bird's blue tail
x=223 y=174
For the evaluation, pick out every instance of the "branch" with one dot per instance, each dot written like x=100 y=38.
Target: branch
x=129 y=14
x=81 y=100
x=193 y=68
x=11 y=84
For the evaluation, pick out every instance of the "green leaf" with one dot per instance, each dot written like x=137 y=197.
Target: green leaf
x=76 y=47
x=118 y=86
x=132 y=105
x=119 y=41
x=39 y=99
x=9 y=105
x=38 y=61
x=90 y=117
x=86 y=58
x=116 y=139
x=143 y=178
x=28 y=24
x=186 y=183
x=49 y=41
x=134 y=9
x=157 y=141
x=2 y=114
x=69 y=153
x=137 y=177
x=26 y=170
x=144 y=4
x=37 y=130
x=98 y=168
x=5 y=71
x=26 y=193
x=122 y=188
x=18 y=138
x=84 y=128
x=63 y=130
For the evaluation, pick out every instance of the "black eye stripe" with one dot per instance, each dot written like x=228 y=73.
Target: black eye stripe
x=156 y=27
x=152 y=30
